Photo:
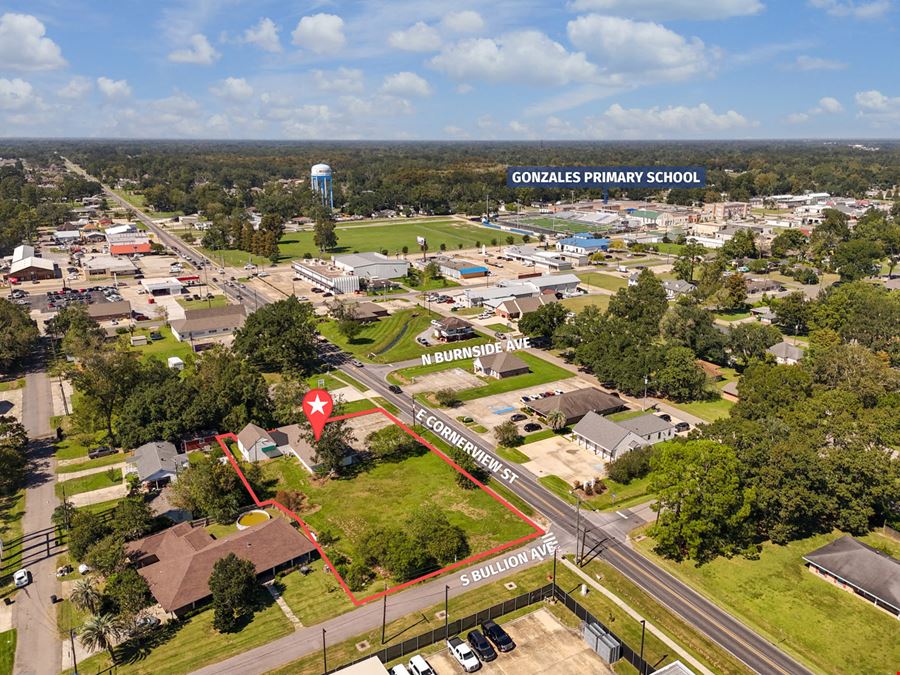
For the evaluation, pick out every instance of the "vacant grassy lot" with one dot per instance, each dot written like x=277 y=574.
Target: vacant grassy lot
x=7 y=651
x=181 y=647
x=316 y=596
x=94 y=463
x=736 y=315
x=579 y=302
x=600 y=280
x=393 y=338
x=12 y=508
x=94 y=481
x=345 y=507
x=160 y=349
x=215 y=301
x=139 y=202
x=622 y=496
x=778 y=597
x=710 y=410
x=434 y=284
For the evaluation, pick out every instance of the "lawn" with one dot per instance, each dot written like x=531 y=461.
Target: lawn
x=94 y=481
x=622 y=496
x=93 y=463
x=735 y=315
x=12 y=508
x=194 y=643
x=710 y=410
x=434 y=284
x=625 y=414
x=600 y=280
x=316 y=596
x=498 y=327
x=215 y=301
x=139 y=202
x=69 y=617
x=512 y=455
x=160 y=349
x=345 y=507
x=543 y=434
x=392 y=338
x=778 y=597
x=579 y=302
x=7 y=651
x=9 y=385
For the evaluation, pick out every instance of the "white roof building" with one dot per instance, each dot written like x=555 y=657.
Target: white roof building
x=371 y=265
x=22 y=252
x=121 y=229
x=31 y=262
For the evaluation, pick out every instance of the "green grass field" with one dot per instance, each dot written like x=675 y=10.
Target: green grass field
x=579 y=302
x=732 y=316
x=160 y=349
x=93 y=463
x=12 y=508
x=7 y=651
x=710 y=410
x=194 y=643
x=605 y=281
x=316 y=596
x=622 y=496
x=392 y=338
x=498 y=327
x=94 y=481
x=345 y=507
x=512 y=455
x=9 y=385
x=434 y=284
x=215 y=301
x=778 y=597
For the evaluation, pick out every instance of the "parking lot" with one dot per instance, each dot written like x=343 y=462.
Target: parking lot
x=543 y=645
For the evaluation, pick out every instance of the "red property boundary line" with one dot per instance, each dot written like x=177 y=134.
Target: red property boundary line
x=538 y=531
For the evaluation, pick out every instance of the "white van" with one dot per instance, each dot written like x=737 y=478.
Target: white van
x=419 y=666
x=399 y=669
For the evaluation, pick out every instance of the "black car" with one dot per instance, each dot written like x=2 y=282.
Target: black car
x=102 y=451
x=518 y=417
x=682 y=426
x=498 y=636
x=481 y=646
x=394 y=388
x=531 y=426
x=665 y=417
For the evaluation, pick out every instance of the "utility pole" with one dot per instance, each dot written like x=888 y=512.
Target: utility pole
x=643 y=628
x=384 y=614
x=644 y=401
x=577 y=529
x=446 y=612
x=72 y=644
x=324 y=653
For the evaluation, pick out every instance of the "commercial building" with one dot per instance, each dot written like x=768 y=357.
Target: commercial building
x=208 y=322
x=456 y=268
x=371 y=265
x=500 y=365
x=164 y=286
x=494 y=296
x=102 y=311
x=129 y=249
x=519 y=307
x=551 y=261
x=583 y=243
x=574 y=405
x=176 y=563
x=66 y=236
x=860 y=569
x=367 y=311
x=330 y=277
x=32 y=268
x=452 y=329
x=107 y=265
x=121 y=229
x=610 y=439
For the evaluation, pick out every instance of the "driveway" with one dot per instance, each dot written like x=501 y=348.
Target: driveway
x=558 y=456
x=98 y=496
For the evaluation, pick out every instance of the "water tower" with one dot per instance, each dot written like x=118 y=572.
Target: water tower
x=320 y=182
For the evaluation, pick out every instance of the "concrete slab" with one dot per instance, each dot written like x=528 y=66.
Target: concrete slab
x=97 y=496
x=364 y=425
x=60 y=477
x=456 y=378
x=543 y=645
x=559 y=456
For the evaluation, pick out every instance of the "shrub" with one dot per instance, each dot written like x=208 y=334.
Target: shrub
x=633 y=464
x=446 y=397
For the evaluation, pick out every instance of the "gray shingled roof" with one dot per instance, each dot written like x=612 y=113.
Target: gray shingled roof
x=643 y=425
x=862 y=566
x=785 y=350
x=157 y=456
x=597 y=429
x=502 y=362
x=576 y=404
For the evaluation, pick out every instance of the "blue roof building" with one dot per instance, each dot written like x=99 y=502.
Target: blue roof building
x=583 y=243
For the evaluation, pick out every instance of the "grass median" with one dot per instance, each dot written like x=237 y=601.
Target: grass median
x=94 y=481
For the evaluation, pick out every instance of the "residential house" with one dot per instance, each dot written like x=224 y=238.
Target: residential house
x=576 y=404
x=366 y=312
x=177 y=562
x=675 y=288
x=612 y=439
x=763 y=314
x=519 y=307
x=256 y=444
x=157 y=463
x=785 y=353
x=500 y=365
x=452 y=329
x=208 y=322
x=758 y=286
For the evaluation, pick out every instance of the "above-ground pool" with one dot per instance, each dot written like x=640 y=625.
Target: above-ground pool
x=250 y=518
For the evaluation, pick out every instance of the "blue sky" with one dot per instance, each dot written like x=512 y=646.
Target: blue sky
x=525 y=69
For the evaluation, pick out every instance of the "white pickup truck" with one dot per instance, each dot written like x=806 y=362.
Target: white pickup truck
x=463 y=654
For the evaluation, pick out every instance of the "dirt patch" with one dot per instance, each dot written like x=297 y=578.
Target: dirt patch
x=468 y=510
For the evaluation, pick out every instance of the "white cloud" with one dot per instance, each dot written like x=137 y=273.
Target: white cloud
x=464 y=88
x=524 y=57
x=113 y=89
x=234 y=89
x=670 y=9
x=797 y=118
x=420 y=37
x=16 y=94
x=880 y=109
x=645 y=51
x=466 y=21
x=78 y=87
x=829 y=104
x=806 y=63
x=673 y=121
x=406 y=84
x=455 y=131
x=24 y=47
x=200 y=52
x=863 y=9
x=320 y=33
x=264 y=35
x=344 y=80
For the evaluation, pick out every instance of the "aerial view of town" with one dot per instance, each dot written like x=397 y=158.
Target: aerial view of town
x=429 y=338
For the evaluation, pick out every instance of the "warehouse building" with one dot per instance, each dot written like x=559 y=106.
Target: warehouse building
x=32 y=268
x=164 y=286
x=323 y=275
x=456 y=268
x=371 y=265
x=208 y=322
x=551 y=261
x=107 y=265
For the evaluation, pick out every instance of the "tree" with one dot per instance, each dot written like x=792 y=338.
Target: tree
x=792 y=313
x=101 y=632
x=79 y=332
x=748 y=341
x=641 y=306
x=86 y=529
x=741 y=245
x=443 y=542
x=63 y=514
x=234 y=586
x=770 y=390
x=332 y=447
x=392 y=444
x=132 y=518
x=105 y=378
x=293 y=500
x=13 y=460
x=789 y=242
x=684 y=264
x=703 y=510
x=432 y=271
x=632 y=465
x=348 y=324
x=857 y=259
x=733 y=294
x=687 y=324
x=544 y=321
x=18 y=334
x=446 y=397
x=556 y=420
x=280 y=336
x=209 y=488
x=681 y=379
x=467 y=463
x=128 y=592
x=507 y=434
x=324 y=235
x=107 y=555
x=287 y=400
x=85 y=595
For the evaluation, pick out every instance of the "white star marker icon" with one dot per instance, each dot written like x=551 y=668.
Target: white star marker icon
x=317 y=406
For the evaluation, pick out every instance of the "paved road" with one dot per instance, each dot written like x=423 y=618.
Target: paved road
x=607 y=532
x=38 y=647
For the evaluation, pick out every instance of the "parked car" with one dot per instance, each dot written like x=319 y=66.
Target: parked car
x=399 y=669
x=357 y=363
x=394 y=388
x=500 y=336
x=102 y=451
x=682 y=426
x=144 y=624
x=22 y=578
x=664 y=416
x=518 y=417
x=532 y=426
x=463 y=655
x=156 y=335
x=498 y=636
x=481 y=646
x=419 y=666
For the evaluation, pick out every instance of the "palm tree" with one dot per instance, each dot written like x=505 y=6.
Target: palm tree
x=100 y=632
x=85 y=595
x=556 y=420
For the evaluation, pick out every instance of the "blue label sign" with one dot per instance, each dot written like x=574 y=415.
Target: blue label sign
x=606 y=176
